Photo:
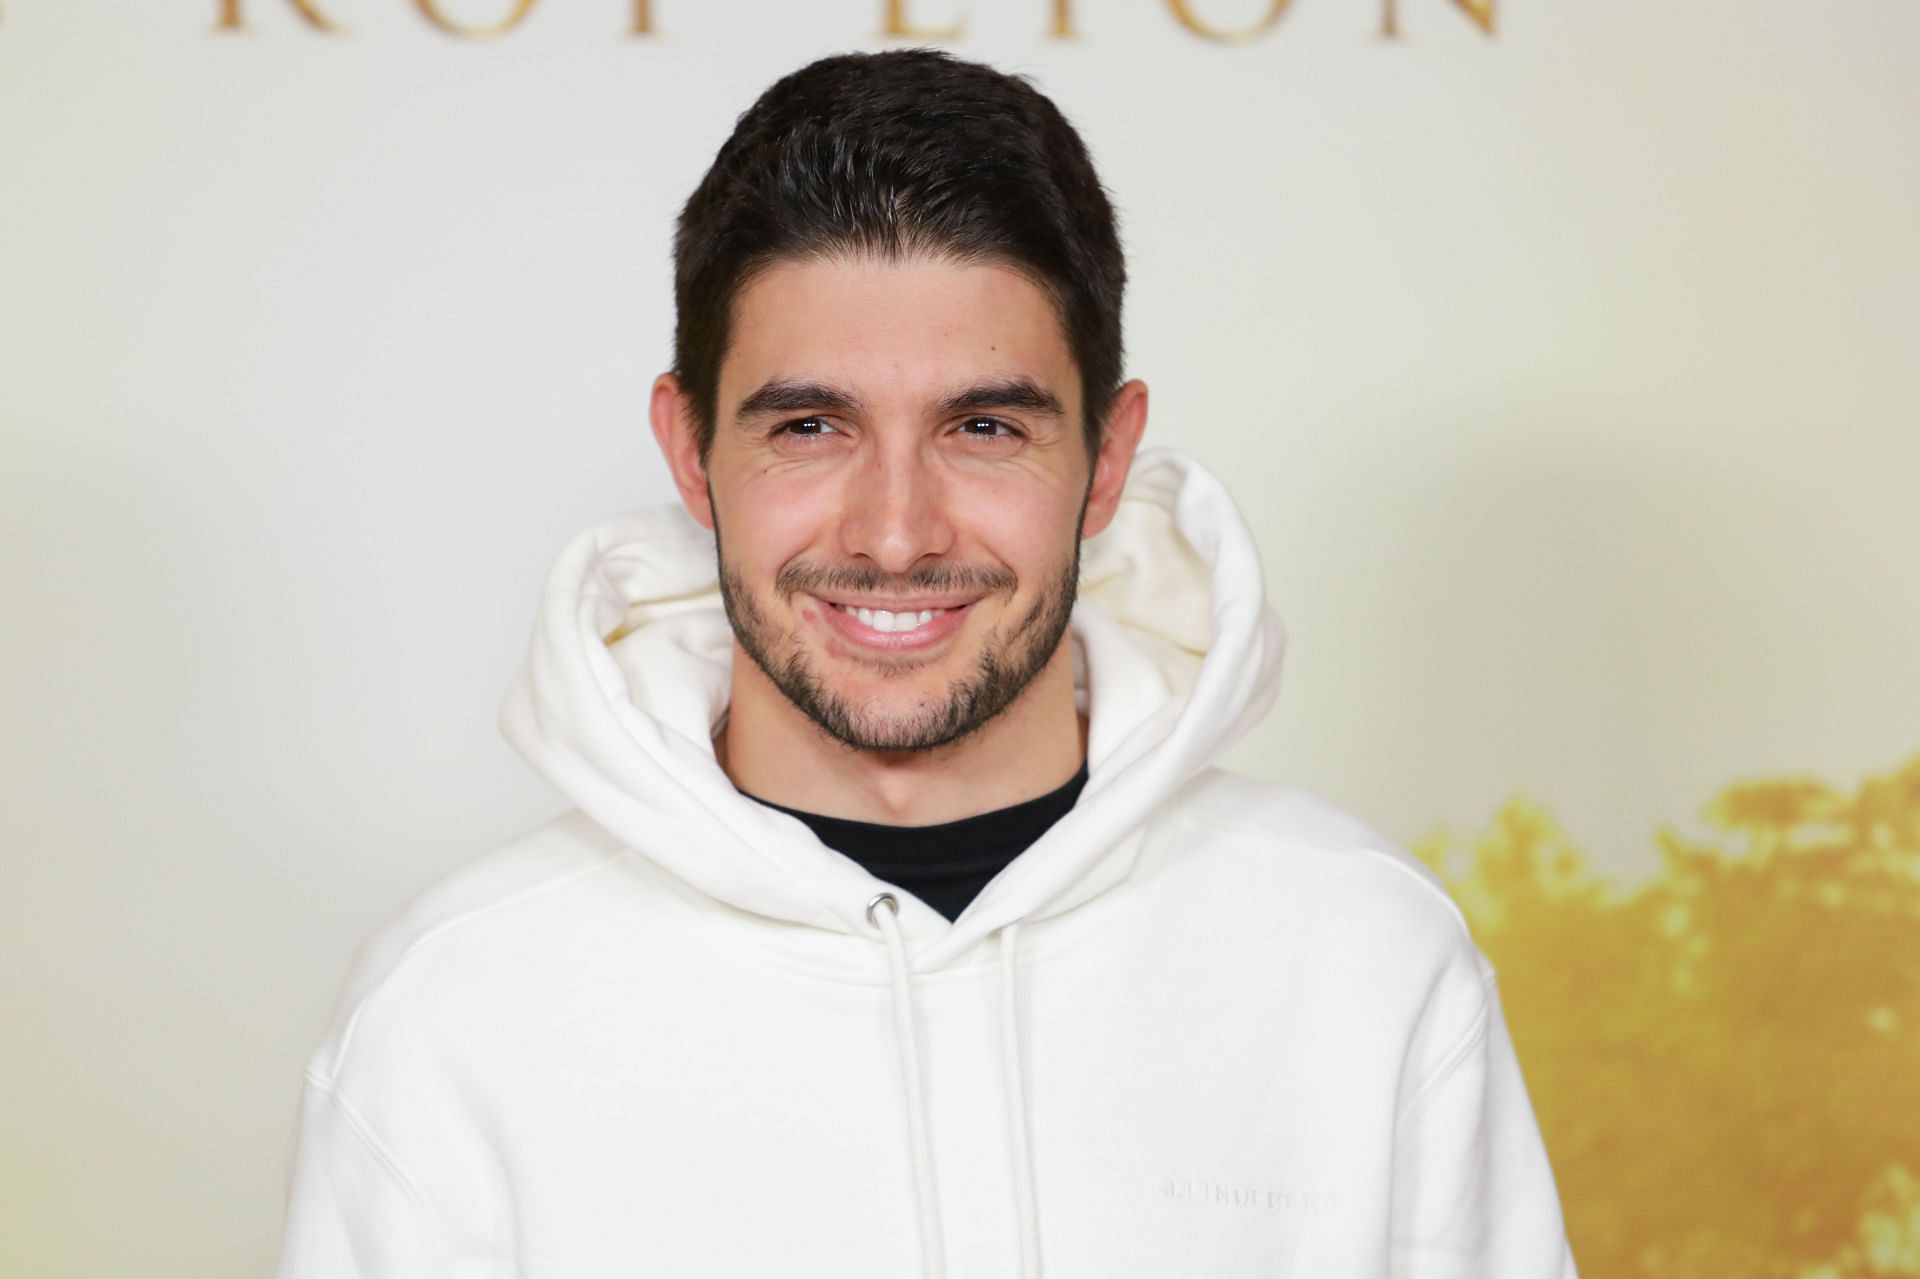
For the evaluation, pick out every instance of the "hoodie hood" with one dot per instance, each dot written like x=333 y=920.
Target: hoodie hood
x=1176 y=655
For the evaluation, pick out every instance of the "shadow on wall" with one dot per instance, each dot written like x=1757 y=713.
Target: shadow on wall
x=1726 y=1060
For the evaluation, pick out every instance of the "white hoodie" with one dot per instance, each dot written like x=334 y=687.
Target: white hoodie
x=1203 y=1027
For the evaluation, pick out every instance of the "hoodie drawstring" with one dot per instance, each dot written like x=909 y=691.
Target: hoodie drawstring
x=1013 y=1076
x=926 y=1197
x=933 y=1257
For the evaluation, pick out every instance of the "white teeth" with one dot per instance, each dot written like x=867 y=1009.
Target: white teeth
x=881 y=619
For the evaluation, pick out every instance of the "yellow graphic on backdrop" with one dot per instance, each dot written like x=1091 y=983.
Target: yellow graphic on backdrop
x=1726 y=1060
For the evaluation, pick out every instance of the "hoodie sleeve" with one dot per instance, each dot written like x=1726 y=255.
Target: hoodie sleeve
x=1473 y=1195
x=352 y=1210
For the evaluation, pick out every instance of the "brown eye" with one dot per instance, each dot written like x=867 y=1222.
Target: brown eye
x=811 y=427
x=987 y=428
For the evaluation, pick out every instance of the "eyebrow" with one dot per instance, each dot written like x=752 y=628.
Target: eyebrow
x=1006 y=393
x=781 y=395
x=786 y=395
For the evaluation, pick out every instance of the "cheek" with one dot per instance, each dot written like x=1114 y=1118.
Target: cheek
x=767 y=523
x=1028 y=527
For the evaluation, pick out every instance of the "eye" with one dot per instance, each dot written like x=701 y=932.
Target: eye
x=806 y=427
x=988 y=428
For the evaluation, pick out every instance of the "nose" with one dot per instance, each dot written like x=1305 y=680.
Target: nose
x=896 y=508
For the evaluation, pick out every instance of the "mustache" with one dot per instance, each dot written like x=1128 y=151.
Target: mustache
x=933 y=579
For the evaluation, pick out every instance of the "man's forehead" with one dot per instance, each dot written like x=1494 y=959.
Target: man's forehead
x=926 y=330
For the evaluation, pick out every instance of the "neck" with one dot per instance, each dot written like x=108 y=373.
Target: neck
x=772 y=750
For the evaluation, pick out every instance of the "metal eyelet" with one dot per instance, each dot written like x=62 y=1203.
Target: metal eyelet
x=892 y=904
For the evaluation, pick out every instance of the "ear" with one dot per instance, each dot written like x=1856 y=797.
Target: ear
x=672 y=413
x=1119 y=441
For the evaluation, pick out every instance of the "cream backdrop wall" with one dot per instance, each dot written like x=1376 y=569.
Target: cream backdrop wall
x=1566 y=372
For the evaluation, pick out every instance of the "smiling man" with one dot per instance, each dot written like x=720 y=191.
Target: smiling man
x=898 y=491
x=902 y=924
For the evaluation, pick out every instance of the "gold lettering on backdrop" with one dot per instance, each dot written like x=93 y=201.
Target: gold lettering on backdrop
x=1481 y=11
x=431 y=10
x=231 y=19
x=896 y=24
x=895 y=20
x=1183 y=10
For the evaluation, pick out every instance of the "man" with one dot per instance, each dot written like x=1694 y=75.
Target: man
x=902 y=926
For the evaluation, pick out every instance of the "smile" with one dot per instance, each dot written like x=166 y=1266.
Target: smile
x=897 y=629
x=886 y=621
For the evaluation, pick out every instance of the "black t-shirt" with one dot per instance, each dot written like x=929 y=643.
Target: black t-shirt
x=947 y=865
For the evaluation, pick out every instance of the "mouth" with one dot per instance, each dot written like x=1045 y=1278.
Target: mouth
x=894 y=625
x=891 y=621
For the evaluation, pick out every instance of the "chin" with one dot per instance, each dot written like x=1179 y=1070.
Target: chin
x=881 y=679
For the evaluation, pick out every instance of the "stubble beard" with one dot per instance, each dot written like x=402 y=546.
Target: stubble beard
x=1006 y=665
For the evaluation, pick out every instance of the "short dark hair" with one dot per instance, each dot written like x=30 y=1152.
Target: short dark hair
x=910 y=151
